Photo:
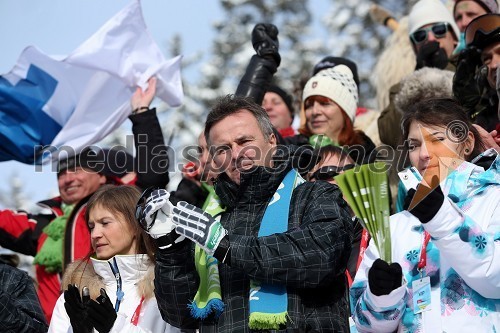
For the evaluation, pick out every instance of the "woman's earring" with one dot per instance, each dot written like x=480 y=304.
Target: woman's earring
x=467 y=150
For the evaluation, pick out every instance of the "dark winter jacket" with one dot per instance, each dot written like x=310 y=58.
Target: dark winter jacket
x=309 y=259
x=20 y=309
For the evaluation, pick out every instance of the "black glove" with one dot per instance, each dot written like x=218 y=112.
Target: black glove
x=102 y=314
x=431 y=55
x=261 y=68
x=427 y=207
x=265 y=41
x=384 y=278
x=465 y=83
x=77 y=310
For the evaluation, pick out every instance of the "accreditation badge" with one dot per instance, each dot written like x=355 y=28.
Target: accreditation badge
x=421 y=295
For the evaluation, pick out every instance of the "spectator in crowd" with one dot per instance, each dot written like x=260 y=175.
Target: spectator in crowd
x=196 y=178
x=465 y=11
x=112 y=290
x=444 y=275
x=20 y=309
x=424 y=83
x=334 y=161
x=365 y=118
x=303 y=254
x=434 y=35
x=330 y=100
x=279 y=107
x=58 y=238
x=475 y=82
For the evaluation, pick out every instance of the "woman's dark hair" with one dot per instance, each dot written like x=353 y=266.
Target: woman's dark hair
x=330 y=150
x=445 y=112
x=122 y=200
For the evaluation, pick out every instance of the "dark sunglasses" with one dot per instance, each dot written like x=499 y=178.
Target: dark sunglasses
x=439 y=30
x=140 y=209
x=330 y=171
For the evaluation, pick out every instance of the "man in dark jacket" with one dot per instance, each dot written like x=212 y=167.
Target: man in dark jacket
x=20 y=310
x=307 y=260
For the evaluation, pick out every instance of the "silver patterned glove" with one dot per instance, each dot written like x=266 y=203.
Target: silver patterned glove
x=198 y=226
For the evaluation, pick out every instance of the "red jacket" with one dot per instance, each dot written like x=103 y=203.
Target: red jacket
x=22 y=232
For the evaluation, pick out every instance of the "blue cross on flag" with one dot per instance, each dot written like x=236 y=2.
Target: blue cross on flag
x=78 y=100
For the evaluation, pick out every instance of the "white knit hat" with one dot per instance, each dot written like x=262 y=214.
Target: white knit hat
x=430 y=11
x=337 y=84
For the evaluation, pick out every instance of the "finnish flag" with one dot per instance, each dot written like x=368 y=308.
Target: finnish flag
x=77 y=100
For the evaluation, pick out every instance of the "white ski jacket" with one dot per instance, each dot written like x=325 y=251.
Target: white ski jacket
x=463 y=262
x=136 y=275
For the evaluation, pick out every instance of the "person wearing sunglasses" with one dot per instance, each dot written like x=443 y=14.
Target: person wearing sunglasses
x=334 y=161
x=475 y=81
x=433 y=34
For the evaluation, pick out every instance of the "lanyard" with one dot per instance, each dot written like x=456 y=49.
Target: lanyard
x=119 y=291
x=422 y=262
x=135 y=317
x=365 y=236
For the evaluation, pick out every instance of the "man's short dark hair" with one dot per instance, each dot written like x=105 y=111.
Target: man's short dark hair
x=231 y=104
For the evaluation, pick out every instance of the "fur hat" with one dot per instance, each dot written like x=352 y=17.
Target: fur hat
x=430 y=11
x=287 y=98
x=336 y=83
x=490 y=6
x=425 y=83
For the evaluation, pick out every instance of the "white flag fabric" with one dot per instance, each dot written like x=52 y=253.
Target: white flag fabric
x=77 y=101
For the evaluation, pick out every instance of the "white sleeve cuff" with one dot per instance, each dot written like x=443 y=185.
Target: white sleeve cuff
x=384 y=302
x=448 y=218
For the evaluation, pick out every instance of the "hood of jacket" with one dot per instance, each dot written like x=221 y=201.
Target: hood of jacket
x=423 y=84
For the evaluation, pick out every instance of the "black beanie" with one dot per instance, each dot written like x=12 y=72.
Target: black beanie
x=118 y=162
x=87 y=159
x=287 y=98
x=108 y=162
x=329 y=62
